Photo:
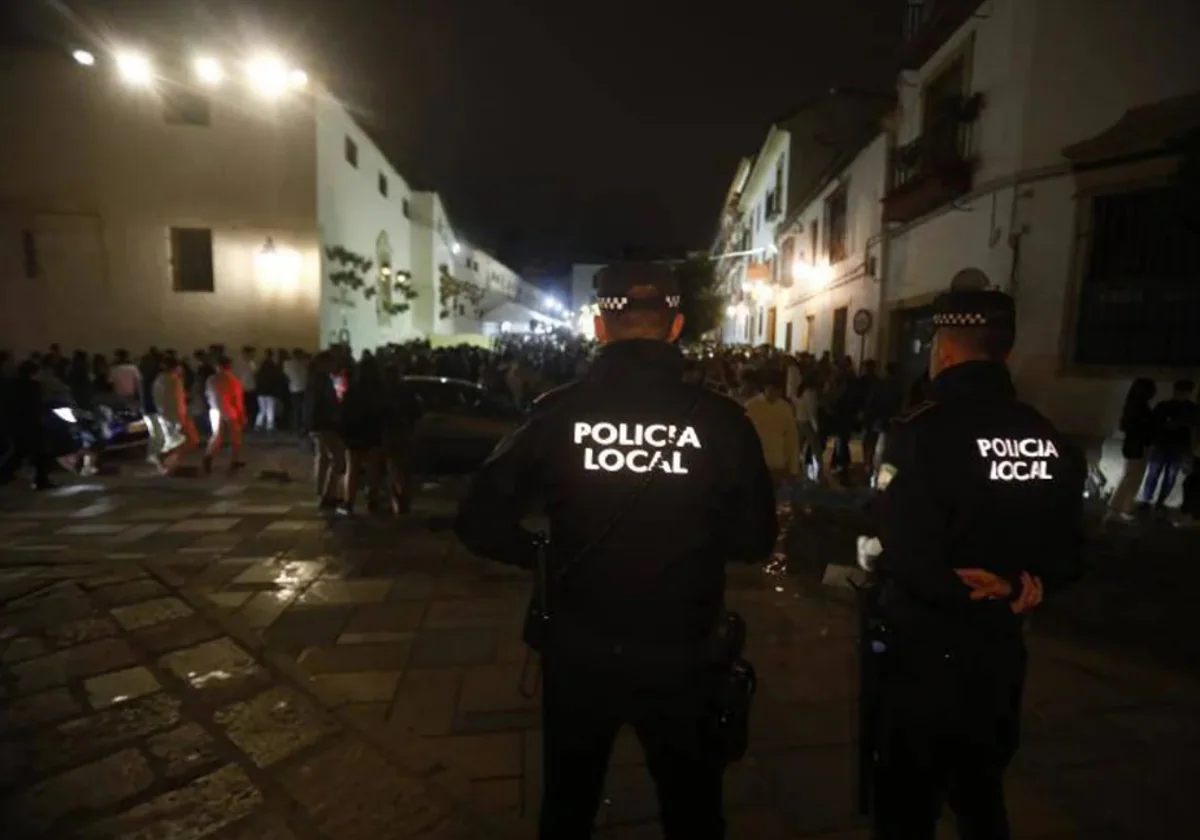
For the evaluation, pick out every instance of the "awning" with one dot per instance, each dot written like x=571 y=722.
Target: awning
x=1145 y=131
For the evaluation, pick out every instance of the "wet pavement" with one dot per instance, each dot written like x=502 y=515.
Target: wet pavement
x=207 y=657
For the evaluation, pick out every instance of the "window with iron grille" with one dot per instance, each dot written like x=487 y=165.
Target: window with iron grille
x=1139 y=299
x=835 y=225
x=192 y=260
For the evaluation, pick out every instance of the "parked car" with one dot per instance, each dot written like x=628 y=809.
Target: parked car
x=460 y=425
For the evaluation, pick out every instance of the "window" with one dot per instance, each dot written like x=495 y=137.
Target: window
x=192 y=260
x=814 y=232
x=787 y=260
x=383 y=185
x=29 y=255
x=407 y=209
x=351 y=153
x=1139 y=302
x=182 y=106
x=841 y=317
x=787 y=337
x=835 y=225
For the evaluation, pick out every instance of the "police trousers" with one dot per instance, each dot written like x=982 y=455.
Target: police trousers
x=585 y=705
x=948 y=728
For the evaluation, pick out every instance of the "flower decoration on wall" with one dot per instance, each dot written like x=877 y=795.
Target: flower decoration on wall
x=457 y=296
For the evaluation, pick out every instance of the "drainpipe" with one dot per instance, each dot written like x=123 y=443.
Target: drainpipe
x=883 y=350
x=1014 y=240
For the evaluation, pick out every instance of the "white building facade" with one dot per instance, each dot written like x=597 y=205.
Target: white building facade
x=829 y=261
x=1005 y=163
x=760 y=207
x=172 y=208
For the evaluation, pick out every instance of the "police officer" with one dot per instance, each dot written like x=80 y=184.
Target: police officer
x=980 y=509
x=651 y=485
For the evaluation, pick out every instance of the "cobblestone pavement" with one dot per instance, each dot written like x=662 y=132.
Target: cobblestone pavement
x=189 y=656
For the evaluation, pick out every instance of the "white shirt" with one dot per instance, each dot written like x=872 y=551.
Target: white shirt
x=247 y=371
x=126 y=380
x=807 y=408
x=296 y=371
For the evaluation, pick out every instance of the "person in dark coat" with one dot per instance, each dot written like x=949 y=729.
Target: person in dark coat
x=23 y=411
x=364 y=417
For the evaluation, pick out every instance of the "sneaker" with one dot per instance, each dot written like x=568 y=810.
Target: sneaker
x=345 y=511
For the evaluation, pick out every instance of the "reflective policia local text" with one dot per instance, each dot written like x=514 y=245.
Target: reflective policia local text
x=635 y=447
x=1011 y=459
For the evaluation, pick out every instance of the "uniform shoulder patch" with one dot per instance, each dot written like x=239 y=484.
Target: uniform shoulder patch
x=916 y=411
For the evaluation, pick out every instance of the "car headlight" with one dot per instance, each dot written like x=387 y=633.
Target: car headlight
x=66 y=414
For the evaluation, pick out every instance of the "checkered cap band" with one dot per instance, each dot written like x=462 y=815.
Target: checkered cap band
x=960 y=319
x=673 y=301
x=612 y=304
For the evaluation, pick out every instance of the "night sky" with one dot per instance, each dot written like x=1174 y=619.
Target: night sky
x=559 y=130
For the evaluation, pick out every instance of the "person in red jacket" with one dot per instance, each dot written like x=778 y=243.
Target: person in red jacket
x=227 y=399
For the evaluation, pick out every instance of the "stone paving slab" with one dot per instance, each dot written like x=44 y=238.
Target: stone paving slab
x=396 y=635
x=145 y=719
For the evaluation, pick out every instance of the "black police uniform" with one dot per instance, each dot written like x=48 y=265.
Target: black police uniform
x=632 y=617
x=972 y=478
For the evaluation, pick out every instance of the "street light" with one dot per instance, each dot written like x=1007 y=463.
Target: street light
x=135 y=68
x=84 y=57
x=268 y=75
x=208 y=70
x=455 y=248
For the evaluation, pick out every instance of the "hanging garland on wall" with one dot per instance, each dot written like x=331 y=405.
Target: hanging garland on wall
x=456 y=295
x=348 y=273
x=401 y=285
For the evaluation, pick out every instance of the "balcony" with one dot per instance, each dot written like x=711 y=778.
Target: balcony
x=938 y=166
x=928 y=24
x=933 y=170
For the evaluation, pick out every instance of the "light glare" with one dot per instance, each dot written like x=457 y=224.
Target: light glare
x=268 y=75
x=84 y=57
x=134 y=68
x=209 y=70
x=299 y=79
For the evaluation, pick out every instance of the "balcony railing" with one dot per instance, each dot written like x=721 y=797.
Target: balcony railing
x=934 y=169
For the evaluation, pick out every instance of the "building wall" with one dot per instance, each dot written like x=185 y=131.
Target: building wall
x=583 y=285
x=819 y=289
x=97 y=177
x=1053 y=74
x=763 y=179
x=353 y=213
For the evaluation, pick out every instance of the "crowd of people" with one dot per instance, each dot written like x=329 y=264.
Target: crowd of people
x=820 y=419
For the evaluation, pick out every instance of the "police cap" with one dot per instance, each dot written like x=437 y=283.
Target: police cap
x=636 y=285
x=975 y=308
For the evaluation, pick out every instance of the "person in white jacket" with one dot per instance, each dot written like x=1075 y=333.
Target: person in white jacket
x=775 y=421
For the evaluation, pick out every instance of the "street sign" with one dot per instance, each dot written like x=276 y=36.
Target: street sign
x=863 y=321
